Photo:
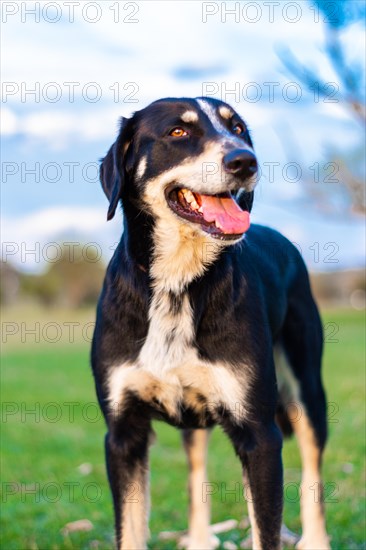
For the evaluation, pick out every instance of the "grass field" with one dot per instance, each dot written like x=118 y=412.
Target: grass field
x=51 y=426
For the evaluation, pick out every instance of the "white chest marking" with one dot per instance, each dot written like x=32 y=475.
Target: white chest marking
x=169 y=371
x=168 y=342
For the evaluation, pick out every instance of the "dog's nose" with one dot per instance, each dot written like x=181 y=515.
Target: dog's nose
x=240 y=163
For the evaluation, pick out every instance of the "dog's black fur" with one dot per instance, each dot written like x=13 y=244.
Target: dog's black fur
x=254 y=296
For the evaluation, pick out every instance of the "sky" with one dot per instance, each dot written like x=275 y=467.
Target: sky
x=71 y=69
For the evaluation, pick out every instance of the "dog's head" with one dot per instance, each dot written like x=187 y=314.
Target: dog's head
x=189 y=161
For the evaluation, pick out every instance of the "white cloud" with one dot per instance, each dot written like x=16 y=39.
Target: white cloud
x=61 y=127
x=45 y=223
x=8 y=122
x=28 y=240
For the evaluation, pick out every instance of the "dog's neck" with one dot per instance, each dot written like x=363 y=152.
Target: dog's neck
x=181 y=254
x=172 y=254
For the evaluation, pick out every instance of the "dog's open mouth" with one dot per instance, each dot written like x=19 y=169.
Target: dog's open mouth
x=219 y=215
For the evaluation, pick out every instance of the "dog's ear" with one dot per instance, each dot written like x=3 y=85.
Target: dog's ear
x=112 y=173
x=245 y=200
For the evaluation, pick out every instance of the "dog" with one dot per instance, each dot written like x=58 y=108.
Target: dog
x=204 y=320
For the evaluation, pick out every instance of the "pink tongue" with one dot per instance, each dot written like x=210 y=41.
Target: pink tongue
x=226 y=214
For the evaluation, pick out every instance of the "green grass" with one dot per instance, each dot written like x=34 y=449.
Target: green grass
x=40 y=457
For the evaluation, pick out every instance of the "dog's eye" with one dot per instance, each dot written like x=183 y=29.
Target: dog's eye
x=238 y=129
x=178 y=132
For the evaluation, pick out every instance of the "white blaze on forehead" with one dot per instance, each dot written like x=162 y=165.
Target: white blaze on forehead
x=212 y=115
x=189 y=116
x=225 y=112
x=216 y=117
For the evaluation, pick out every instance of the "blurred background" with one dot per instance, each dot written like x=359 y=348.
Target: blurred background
x=295 y=71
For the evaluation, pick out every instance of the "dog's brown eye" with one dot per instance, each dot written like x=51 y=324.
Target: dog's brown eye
x=238 y=129
x=178 y=132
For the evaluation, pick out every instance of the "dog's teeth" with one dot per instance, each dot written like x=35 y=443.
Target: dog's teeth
x=190 y=198
x=188 y=195
x=200 y=209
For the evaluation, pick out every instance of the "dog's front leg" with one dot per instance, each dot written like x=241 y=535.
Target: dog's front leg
x=263 y=484
x=128 y=473
x=199 y=535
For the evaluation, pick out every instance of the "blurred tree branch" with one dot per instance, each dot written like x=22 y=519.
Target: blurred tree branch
x=351 y=95
x=337 y=15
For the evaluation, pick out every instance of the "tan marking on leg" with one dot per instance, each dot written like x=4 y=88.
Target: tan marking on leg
x=314 y=535
x=199 y=511
x=136 y=509
x=253 y=522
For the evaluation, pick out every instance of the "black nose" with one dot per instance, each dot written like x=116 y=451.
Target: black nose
x=240 y=163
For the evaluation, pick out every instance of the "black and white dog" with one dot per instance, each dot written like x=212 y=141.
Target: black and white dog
x=203 y=321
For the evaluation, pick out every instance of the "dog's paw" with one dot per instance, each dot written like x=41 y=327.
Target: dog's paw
x=314 y=543
x=288 y=538
x=190 y=544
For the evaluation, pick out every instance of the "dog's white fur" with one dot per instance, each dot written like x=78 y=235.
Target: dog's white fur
x=141 y=168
